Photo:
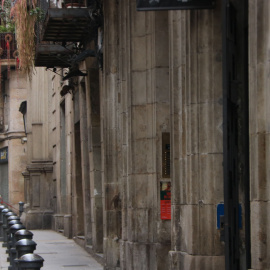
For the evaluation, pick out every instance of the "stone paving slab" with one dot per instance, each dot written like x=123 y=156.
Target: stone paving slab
x=58 y=253
x=3 y=258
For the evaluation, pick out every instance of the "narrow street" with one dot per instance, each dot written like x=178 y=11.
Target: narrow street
x=58 y=252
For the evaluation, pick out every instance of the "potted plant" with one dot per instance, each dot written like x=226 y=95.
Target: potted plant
x=74 y=3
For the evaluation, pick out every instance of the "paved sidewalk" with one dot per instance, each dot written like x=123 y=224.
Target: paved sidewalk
x=58 y=253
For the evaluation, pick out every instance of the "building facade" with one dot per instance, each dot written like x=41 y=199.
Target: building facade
x=155 y=155
x=13 y=141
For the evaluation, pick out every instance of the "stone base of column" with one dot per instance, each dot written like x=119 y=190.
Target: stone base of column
x=58 y=223
x=68 y=226
x=182 y=261
x=37 y=219
x=144 y=256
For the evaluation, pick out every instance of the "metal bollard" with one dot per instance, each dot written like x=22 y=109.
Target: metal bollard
x=30 y=262
x=2 y=207
x=21 y=204
x=4 y=220
x=12 y=250
x=11 y=225
x=5 y=225
x=11 y=221
x=7 y=214
x=25 y=246
x=23 y=234
x=13 y=218
x=13 y=229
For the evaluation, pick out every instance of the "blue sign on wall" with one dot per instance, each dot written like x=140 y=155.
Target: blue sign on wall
x=220 y=212
x=174 y=4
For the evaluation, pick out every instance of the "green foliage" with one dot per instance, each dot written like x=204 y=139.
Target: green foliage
x=37 y=12
x=7 y=24
x=9 y=28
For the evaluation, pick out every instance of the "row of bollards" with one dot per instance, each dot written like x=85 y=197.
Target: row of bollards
x=18 y=241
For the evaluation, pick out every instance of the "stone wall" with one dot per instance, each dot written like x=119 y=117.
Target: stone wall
x=196 y=100
x=259 y=131
x=135 y=113
x=162 y=74
x=39 y=182
x=13 y=93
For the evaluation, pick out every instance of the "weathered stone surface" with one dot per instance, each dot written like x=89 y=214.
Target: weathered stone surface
x=181 y=260
x=259 y=239
x=259 y=131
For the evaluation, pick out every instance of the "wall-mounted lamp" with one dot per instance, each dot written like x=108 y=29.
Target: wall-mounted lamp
x=23 y=110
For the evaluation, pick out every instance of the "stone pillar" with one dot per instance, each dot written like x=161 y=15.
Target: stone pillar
x=26 y=177
x=135 y=114
x=259 y=45
x=16 y=93
x=196 y=150
x=85 y=165
x=109 y=144
x=93 y=84
x=39 y=153
x=69 y=118
x=12 y=134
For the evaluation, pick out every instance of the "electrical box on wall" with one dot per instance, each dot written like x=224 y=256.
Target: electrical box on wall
x=221 y=213
x=166 y=155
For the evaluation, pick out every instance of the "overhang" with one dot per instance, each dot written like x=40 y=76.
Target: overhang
x=52 y=55
x=66 y=24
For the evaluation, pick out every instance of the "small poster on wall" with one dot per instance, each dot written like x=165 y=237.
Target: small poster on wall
x=4 y=155
x=165 y=200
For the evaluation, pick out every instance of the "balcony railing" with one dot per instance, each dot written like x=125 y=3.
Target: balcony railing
x=8 y=46
x=74 y=22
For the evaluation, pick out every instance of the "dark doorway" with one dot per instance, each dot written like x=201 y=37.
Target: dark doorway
x=236 y=134
x=63 y=184
x=4 y=186
x=78 y=183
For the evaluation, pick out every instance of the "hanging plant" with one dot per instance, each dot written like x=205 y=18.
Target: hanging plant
x=25 y=14
x=1 y=53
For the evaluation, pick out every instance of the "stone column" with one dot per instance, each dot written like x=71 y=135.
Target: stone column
x=109 y=144
x=259 y=44
x=16 y=93
x=69 y=137
x=39 y=153
x=93 y=84
x=196 y=150
x=85 y=165
x=134 y=113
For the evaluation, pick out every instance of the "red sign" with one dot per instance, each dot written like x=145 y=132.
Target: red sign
x=165 y=200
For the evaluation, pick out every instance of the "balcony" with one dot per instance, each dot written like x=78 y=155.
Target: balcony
x=8 y=49
x=66 y=24
x=65 y=31
x=52 y=55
